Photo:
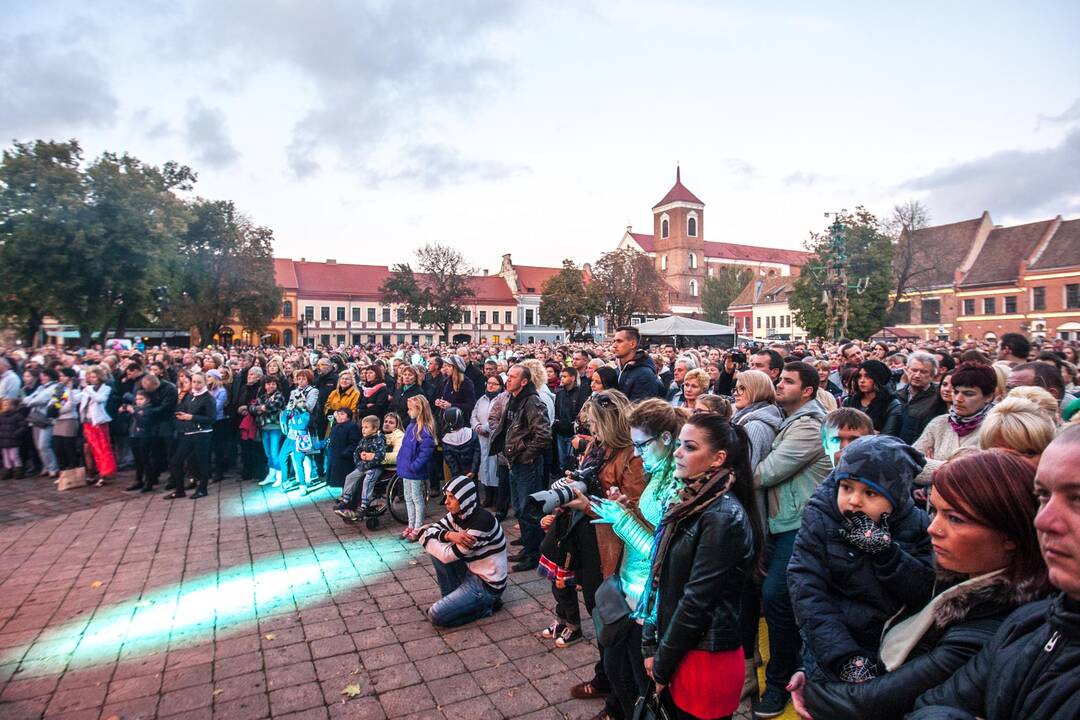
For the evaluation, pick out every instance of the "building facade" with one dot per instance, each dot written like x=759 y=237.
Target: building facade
x=978 y=280
x=761 y=309
x=686 y=260
x=527 y=282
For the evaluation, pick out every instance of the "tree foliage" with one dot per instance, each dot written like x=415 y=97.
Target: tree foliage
x=720 y=289
x=436 y=294
x=566 y=303
x=626 y=282
x=869 y=256
x=224 y=269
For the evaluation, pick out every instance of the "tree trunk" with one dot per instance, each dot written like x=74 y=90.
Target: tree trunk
x=86 y=335
x=104 y=335
x=121 y=321
x=33 y=327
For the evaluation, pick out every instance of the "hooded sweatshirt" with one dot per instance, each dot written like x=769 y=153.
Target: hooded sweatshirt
x=487 y=557
x=842 y=596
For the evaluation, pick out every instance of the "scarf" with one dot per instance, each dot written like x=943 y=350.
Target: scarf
x=694 y=496
x=964 y=426
x=492 y=395
x=195 y=393
x=370 y=390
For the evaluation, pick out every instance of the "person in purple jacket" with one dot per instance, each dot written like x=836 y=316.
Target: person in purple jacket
x=416 y=450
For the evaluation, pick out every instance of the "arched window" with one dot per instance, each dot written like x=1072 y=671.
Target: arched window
x=663 y=262
x=287 y=337
x=693 y=288
x=664 y=228
x=691 y=226
x=286 y=310
x=693 y=262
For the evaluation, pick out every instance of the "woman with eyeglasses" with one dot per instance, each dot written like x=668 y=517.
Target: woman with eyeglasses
x=654 y=428
x=707 y=545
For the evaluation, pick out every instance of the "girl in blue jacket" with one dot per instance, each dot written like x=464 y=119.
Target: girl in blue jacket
x=416 y=450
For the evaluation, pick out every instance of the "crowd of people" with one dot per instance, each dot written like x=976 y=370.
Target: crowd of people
x=904 y=517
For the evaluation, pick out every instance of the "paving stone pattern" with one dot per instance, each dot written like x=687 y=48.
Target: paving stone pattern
x=249 y=605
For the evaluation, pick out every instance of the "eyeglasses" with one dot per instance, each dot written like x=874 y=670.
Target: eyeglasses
x=739 y=389
x=640 y=446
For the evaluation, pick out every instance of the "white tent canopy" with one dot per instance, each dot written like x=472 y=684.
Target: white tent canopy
x=675 y=326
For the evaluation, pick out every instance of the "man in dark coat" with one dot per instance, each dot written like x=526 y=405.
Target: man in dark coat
x=637 y=371
x=920 y=397
x=159 y=412
x=569 y=400
x=1029 y=669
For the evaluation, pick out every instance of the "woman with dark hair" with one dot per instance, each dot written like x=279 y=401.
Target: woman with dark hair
x=988 y=564
x=973 y=387
x=458 y=390
x=604 y=378
x=871 y=394
x=706 y=551
x=374 y=394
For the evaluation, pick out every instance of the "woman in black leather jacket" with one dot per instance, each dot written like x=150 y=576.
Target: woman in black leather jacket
x=988 y=563
x=707 y=543
x=194 y=426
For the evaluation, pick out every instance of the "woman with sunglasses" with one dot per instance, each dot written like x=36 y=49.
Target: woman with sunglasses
x=654 y=428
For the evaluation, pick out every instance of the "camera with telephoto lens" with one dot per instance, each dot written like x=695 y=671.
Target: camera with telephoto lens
x=586 y=480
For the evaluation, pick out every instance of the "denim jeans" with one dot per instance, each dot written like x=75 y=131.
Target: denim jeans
x=272 y=440
x=464 y=596
x=566 y=451
x=414 y=501
x=525 y=479
x=363 y=480
x=43 y=443
x=784 y=640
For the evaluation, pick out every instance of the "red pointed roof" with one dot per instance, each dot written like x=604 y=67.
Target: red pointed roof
x=678 y=193
x=285 y=274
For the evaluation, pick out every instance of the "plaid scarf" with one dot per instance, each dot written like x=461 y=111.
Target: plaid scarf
x=694 y=496
x=964 y=426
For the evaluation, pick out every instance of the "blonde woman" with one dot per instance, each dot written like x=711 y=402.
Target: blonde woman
x=413 y=456
x=695 y=382
x=96 y=421
x=1019 y=426
x=539 y=381
x=1041 y=397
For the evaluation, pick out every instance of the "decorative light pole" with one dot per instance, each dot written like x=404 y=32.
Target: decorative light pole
x=834 y=279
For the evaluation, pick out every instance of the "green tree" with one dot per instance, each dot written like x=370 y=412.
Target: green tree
x=625 y=282
x=869 y=259
x=42 y=202
x=224 y=269
x=720 y=289
x=434 y=296
x=566 y=303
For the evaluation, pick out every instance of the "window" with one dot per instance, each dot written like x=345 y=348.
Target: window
x=693 y=261
x=386 y=316
x=401 y=316
x=529 y=316
x=371 y=316
x=385 y=339
x=286 y=311
x=400 y=339
x=1010 y=304
x=931 y=311
x=466 y=317
x=902 y=312
x=509 y=317
x=759 y=323
x=356 y=339
x=1072 y=296
x=693 y=286
x=969 y=306
x=1038 y=298
x=709 y=270
x=324 y=339
x=691 y=226
x=309 y=312
x=324 y=312
x=663 y=262
x=989 y=306
x=287 y=337
x=483 y=317
x=356 y=317
x=341 y=313
x=664 y=228
x=371 y=339
x=340 y=339
x=415 y=340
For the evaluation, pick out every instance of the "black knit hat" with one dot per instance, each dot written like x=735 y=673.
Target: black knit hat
x=877 y=371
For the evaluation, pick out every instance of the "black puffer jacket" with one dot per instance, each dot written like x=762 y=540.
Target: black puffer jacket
x=638 y=379
x=963 y=624
x=1028 y=670
x=842 y=596
x=707 y=565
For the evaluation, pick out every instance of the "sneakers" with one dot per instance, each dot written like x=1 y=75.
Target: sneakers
x=314 y=486
x=552 y=631
x=771 y=704
x=267 y=480
x=345 y=514
x=568 y=637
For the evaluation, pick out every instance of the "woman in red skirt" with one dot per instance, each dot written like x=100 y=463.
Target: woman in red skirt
x=96 y=421
x=706 y=551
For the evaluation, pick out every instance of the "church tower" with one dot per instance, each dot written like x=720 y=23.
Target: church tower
x=679 y=239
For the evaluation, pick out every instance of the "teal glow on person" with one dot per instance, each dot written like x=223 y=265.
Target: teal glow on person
x=206 y=608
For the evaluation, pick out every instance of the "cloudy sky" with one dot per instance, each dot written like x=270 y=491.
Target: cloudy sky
x=360 y=129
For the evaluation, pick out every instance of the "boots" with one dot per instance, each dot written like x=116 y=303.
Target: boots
x=489 y=497
x=750 y=689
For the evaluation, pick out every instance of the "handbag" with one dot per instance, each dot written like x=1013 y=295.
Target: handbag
x=71 y=478
x=39 y=419
x=612 y=611
x=650 y=706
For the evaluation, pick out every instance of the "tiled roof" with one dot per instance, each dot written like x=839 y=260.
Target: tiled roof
x=362 y=282
x=999 y=259
x=942 y=248
x=284 y=274
x=531 y=279
x=755 y=253
x=1063 y=250
x=760 y=288
x=678 y=193
x=647 y=242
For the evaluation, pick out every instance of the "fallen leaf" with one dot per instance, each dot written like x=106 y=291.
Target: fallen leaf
x=113 y=717
x=218 y=692
x=268 y=636
x=351 y=690
x=95 y=585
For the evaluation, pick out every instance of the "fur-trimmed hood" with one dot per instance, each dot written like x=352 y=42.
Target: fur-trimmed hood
x=987 y=597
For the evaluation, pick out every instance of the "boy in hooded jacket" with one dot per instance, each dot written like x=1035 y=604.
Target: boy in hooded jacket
x=862 y=558
x=461 y=447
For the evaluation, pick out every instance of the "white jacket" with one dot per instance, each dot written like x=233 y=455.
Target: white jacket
x=92 y=404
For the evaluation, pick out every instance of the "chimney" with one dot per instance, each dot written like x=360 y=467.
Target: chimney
x=331 y=261
x=303 y=259
x=485 y=272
